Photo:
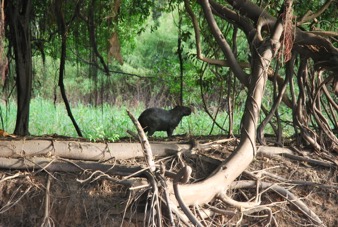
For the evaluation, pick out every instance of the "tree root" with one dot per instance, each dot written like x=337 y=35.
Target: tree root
x=47 y=220
x=285 y=194
x=275 y=151
x=183 y=177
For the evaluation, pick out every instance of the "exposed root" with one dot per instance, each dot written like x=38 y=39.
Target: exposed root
x=183 y=177
x=13 y=200
x=285 y=194
x=47 y=220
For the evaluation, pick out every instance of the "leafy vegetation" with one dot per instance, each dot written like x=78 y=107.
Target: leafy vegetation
x=106 y=122
x=149 y=77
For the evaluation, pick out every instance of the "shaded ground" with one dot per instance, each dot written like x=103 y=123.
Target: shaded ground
x=101 y=201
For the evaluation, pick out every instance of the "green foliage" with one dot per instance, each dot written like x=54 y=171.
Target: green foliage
x=152 y=53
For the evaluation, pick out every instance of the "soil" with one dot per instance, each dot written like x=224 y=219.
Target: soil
x=77 y=199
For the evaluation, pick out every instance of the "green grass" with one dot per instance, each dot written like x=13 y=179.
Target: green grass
x=103 y=122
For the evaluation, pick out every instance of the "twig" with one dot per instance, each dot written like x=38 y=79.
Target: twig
x=221 y=211
x=258 y=209
x=133 y=134
x=220 y=141
x=166 y=194
x=43 y=168
x=10 y=204
x=19 y=174
x=285 y=181
x=155 y=200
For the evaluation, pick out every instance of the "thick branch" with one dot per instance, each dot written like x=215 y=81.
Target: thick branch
x=233 y=64
x=233 y=17
x=316 y=47
x=240 y=159
x=63 y=165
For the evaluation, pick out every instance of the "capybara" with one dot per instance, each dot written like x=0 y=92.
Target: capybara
x=156 y=119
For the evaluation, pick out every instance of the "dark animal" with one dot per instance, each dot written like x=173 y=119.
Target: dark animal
x=156 y=119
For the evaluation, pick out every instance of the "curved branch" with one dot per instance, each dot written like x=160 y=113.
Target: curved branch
x=63 y=33
x=198 y=40
x=225 y=47
x=183 y=176
x=232 y=17
x=92 y=38
x=205 y=191
x=309 y=15
x=329 y=98
x=321 y=50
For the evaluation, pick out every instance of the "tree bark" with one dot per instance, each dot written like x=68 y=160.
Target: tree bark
x=18 y=13
x=217 y=184
x=86 y=151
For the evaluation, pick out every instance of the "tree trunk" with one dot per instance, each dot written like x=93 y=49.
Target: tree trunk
x=18 y=12
x=217 y=184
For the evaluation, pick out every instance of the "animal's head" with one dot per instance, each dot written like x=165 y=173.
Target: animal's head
x=185 y=111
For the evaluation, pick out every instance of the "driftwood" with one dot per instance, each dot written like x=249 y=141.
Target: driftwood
x=65 y=165
x=83 y=150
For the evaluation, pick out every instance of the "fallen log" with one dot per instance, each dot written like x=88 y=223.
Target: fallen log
x=80 y=150
x=69 y=166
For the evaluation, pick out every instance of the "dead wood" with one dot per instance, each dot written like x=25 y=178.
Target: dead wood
x=148 y=153
x=63 y=165
x=286 y=152
x=283 y=192
x=156 y=185
x=86 y=151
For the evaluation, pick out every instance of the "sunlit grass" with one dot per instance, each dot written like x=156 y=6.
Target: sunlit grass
x=102 y=122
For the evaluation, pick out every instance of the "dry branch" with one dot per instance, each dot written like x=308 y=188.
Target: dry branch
x=274 y=151
x=148 y=153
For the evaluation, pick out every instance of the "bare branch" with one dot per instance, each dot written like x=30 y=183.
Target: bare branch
x=309 y=15
x=144 y=142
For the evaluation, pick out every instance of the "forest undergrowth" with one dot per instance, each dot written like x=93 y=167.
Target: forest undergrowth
x=103 y=122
